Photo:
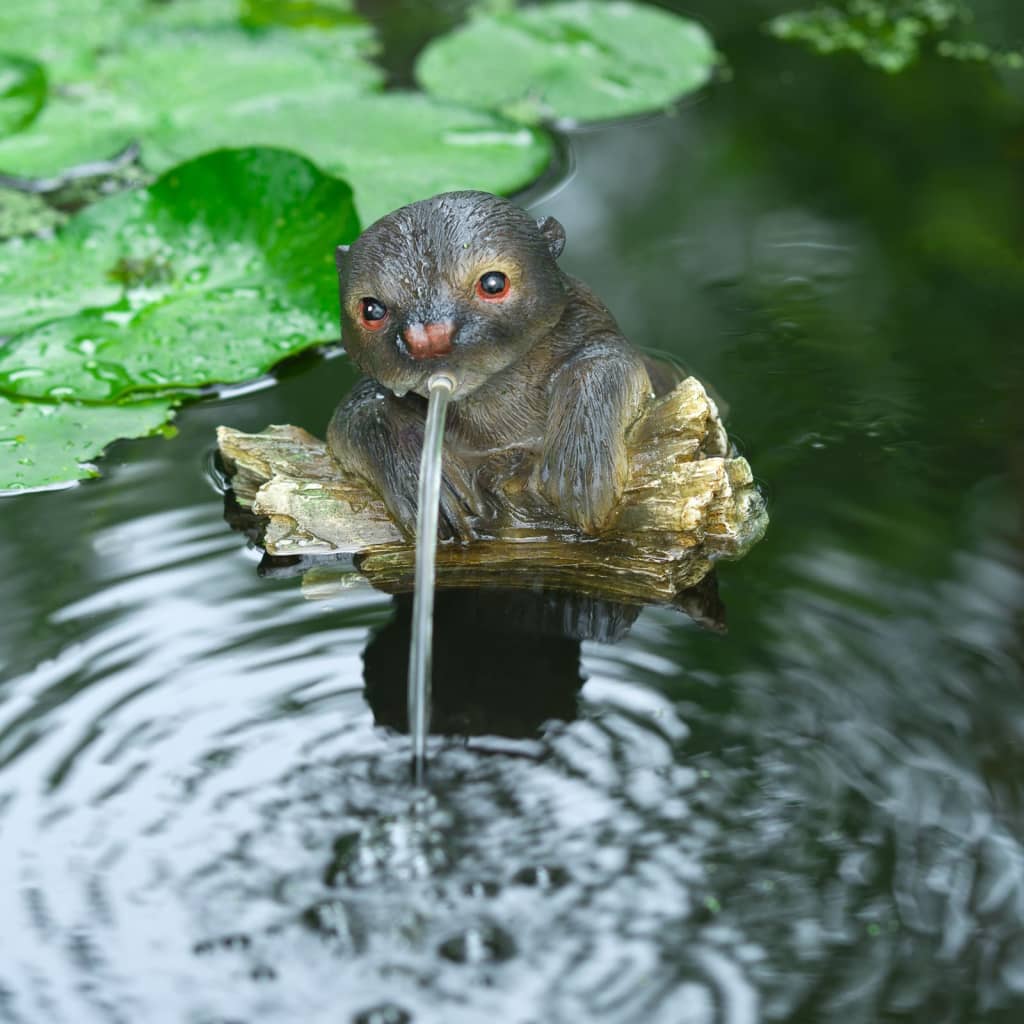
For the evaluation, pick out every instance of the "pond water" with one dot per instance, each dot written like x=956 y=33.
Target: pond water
x=206 y=816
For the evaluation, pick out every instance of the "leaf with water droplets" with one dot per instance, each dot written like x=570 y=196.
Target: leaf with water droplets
x=580 y=61
x=45 y=445
x=214 y=273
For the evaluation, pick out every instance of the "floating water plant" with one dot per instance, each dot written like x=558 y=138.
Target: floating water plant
x=576 y=62
x=891 y=34
x=211 y=275
x=46 y=444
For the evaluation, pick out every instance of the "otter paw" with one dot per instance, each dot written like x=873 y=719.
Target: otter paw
x=585 y=492
x=402 y=506
x=458 y=510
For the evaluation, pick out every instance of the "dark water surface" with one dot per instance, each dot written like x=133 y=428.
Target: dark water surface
x=206 y=818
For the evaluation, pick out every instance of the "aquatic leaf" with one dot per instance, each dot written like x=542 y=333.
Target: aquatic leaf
x=217 y=271
x=580 y=61
x=888 y=38
x=44 y=444
x=890 y=34
x=22 y=92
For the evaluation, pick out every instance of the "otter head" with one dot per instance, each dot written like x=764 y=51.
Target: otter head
x=464 y=283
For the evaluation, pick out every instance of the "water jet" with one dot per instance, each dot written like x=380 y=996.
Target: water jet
x=440 y=388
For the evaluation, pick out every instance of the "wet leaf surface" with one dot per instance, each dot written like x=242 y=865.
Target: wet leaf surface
x=216 y=272
x=580 y=61
x=44 y=444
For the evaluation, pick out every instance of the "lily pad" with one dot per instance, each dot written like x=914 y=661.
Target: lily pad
x=44 y=444
x=22 y=92
x=214 y=273
x=569 y=62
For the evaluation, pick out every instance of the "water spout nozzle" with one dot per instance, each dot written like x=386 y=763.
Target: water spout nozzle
x=442 y=381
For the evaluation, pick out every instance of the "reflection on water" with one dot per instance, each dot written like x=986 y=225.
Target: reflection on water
x=205 y=809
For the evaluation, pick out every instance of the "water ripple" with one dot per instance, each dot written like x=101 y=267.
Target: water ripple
x=207 y=816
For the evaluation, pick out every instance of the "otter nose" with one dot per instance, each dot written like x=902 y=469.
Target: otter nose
x=428 y=341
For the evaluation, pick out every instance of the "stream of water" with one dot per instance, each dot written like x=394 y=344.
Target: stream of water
x=440 y=388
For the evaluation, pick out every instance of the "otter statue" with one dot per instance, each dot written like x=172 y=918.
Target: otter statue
x=468 y=284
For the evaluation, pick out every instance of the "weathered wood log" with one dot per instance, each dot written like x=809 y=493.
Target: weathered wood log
x=689 y=501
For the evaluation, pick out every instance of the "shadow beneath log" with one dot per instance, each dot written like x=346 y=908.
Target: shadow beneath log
x=505 y=661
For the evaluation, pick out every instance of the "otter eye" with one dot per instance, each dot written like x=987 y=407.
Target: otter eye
x=373 y=313
x=493 y=285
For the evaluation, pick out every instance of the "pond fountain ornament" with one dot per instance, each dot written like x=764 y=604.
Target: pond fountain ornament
x=570 y=461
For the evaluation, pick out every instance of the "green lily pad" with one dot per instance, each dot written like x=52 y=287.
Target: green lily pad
x=569 y=62
x=44 y=444
x=214 y=273
x=22 y=92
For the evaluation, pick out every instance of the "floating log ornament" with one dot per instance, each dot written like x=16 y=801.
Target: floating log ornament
x=689 y=501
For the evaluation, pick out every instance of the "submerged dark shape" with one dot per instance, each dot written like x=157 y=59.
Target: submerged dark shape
x=468 y=284
x=505 y=661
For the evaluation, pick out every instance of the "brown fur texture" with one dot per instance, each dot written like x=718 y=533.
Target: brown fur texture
x=544 y=373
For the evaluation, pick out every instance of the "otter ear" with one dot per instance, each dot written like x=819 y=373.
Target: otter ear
x=339 y=256
x=554 y=234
